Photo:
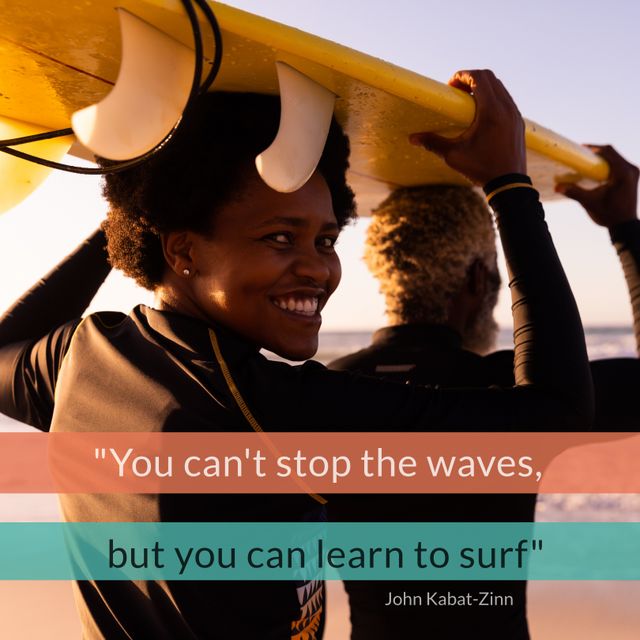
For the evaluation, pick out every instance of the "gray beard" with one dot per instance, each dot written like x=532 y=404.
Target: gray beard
x=481 y=334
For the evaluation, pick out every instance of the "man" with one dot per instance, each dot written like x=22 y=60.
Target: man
x=433 y=251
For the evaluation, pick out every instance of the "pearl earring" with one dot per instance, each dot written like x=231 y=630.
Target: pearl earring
x=186 y=272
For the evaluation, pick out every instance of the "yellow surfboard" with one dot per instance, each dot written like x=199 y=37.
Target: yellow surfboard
x=59 y=57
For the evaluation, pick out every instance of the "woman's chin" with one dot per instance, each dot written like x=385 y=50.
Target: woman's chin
x=297 y=352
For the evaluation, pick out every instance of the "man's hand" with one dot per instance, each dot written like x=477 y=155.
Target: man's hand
x=614 y=201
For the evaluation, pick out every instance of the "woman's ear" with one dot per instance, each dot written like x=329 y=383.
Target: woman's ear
x=177 y=247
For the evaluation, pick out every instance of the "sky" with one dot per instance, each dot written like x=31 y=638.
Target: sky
x=571 y=66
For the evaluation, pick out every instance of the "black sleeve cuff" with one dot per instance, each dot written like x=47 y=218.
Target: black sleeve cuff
x=503 y=181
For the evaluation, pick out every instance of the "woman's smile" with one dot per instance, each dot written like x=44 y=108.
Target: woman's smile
x=298 y=305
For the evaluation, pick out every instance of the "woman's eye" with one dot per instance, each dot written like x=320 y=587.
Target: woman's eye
x=280 y=238
x=327 y=242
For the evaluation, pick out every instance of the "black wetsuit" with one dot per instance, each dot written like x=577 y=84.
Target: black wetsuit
x=433 y=355
x=158 y=371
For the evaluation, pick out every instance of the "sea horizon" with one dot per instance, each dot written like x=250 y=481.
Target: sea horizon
x=603 y=341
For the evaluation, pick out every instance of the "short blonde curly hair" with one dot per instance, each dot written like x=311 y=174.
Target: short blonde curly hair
x=420 y=244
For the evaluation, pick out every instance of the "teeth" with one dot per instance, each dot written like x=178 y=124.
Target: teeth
x=304 y=306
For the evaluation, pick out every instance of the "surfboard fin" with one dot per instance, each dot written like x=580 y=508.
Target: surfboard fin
x=151 y=91
x=305 y=118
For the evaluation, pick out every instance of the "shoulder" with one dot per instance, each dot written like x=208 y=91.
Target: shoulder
x=502 y=358
x=96 y=328
x=106 y=323
x=358 y=361
x=499 y=367
x=106 y=319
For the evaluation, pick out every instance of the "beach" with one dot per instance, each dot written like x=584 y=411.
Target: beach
x=557 y=611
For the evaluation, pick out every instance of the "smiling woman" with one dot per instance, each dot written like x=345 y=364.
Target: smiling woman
x=216 y=243
x=236 y=267
x=267 y=268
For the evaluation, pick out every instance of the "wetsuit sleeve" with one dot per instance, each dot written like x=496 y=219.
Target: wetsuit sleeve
x=550 y=351
x=616 y=381
x=62 y=295
x=626 y=240
x=36 y=331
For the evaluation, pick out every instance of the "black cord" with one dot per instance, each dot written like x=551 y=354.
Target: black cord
x=196 y=89
x=198 y=49
x=36 y=137
x=89 y=171
x=217 y=40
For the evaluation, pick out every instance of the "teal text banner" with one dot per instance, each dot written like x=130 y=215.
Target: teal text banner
x=305 y=551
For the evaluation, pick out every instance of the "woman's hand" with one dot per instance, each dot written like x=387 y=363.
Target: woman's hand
x=494 y=143
x=614 y=201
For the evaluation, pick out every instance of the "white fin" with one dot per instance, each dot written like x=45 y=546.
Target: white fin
x=305 y=118
x=152 y=89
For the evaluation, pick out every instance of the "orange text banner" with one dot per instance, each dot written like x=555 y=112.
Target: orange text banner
x=353 y=462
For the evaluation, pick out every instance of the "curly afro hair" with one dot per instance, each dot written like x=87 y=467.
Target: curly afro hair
x=420 y=243
x=206 y=164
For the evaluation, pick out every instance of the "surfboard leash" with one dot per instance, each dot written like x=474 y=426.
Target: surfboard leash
x=6 y=146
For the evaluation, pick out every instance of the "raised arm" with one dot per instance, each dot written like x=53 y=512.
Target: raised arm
x=62 y=295
x=550 y=352
x=35 y=332
x=614 y=205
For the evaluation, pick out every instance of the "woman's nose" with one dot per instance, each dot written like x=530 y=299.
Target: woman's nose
x=313 y=265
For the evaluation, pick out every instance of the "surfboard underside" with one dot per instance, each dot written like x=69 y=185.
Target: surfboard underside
x=59 y=57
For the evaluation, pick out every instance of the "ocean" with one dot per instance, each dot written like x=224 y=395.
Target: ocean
x=602 y=342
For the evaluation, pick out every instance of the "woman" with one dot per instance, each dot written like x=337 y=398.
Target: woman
x=236 y=267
